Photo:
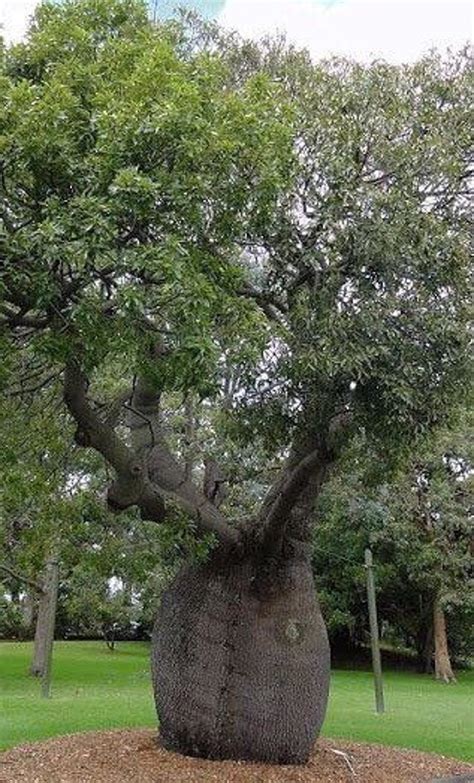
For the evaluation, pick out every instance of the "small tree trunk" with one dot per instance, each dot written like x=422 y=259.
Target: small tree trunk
x=443 y=668
x=41 y=633
x=109 y=637
x=240 y=660
x=44 y=624
x=424 y=642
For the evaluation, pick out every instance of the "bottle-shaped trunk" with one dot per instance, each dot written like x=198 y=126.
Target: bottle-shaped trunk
x=443 y=668
x=241 y=661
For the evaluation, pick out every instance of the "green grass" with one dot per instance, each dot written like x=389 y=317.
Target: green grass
x=96 y=689
x=420 y=712
x=92 y=689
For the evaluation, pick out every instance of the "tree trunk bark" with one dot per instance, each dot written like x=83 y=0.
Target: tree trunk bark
x=240 y=660
x=443 y=668
x=44 y=627
x=41 y=632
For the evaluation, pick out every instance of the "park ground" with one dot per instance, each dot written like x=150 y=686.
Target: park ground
x=95 y=689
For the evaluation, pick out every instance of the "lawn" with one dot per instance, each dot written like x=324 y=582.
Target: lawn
x=94 y=688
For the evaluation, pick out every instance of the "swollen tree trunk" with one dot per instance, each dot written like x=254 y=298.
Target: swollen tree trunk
x=240 y=660
x=443 y=668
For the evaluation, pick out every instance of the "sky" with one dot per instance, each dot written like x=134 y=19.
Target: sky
x=396 y=30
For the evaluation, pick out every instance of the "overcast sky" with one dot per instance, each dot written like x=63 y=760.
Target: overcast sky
x=398 y=30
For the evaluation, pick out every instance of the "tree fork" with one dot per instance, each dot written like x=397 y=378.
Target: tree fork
x=143 y=479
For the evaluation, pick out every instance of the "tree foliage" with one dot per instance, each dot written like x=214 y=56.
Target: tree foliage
x=418 y=521
x=185 y=212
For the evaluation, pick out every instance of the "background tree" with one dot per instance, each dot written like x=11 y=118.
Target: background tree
x=432 y=528
x=285 y=240
x=34 y=507
x=418 y=520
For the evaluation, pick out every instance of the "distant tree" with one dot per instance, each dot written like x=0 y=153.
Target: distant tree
x=285 y=240
x=34 y=505
x=419 y=520
x=432 y=530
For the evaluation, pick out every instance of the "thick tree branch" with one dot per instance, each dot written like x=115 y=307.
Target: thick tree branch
x=14 y=318
x=144 y=474
x=25 y=390
x=273 y=309
x=165 y=471
x=298 y=485
x=131 y=487
x=277 y=511
x=214 y=484
x=189 y=436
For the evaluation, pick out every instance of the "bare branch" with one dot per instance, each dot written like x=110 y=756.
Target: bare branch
x=273 y=309
x=14 y=318
x=27 y=390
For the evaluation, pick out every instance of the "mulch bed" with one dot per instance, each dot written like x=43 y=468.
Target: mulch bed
x=136 y=757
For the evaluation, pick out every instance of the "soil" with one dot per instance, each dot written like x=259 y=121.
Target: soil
x=135 y=756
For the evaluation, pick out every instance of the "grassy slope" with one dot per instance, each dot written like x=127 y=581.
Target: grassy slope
x=96 y=689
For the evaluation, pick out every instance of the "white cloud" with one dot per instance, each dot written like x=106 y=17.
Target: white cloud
x=14 y=17
x=398 y=30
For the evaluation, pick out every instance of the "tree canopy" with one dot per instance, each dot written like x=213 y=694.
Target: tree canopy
x=183 y=210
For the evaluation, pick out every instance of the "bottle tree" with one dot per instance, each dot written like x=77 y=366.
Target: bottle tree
x=286 y=240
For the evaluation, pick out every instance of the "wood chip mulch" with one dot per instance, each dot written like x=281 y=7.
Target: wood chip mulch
x=134 y=756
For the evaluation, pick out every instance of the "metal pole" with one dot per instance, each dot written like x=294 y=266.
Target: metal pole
x=374 y=633
x=52 y=587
